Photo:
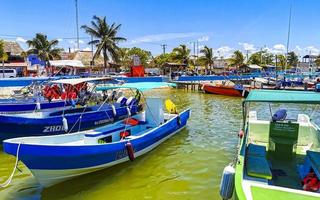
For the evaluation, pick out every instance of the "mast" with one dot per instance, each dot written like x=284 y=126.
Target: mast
x=288 y=38
x=77 y=24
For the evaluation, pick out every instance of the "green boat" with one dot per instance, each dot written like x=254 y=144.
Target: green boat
x=278 y=158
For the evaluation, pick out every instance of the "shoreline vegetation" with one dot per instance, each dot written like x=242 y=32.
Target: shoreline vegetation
x=106 y=40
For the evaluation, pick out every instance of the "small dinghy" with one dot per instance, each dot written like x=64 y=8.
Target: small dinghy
x=227 y=88
x=53 y=159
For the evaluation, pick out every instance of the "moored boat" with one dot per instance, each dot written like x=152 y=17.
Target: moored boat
x=227 y=88
x=43 y=96
x=53 y=159
x=278 y=157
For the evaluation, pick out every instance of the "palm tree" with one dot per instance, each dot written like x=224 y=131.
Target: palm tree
x=105 y=39
x=237 y=59
x=44 y=48
x=292 y=59
x=181 y=54
x=3 y=55
x=207 y=58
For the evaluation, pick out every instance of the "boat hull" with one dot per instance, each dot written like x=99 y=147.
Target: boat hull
x=53 y=164
x=12 y=126
x=19 y=107
x=224 y=90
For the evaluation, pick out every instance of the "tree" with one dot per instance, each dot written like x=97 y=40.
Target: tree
x=237 y=59
x=207 y=59
x=261 y=58
x=317 y=61
x=44 y=48
x=281 y=61
x=3 y=56
x=292 y=59
x=158 y=61
x=181 y=54
x=106 y=39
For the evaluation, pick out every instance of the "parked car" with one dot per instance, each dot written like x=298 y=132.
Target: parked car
x=8 y=73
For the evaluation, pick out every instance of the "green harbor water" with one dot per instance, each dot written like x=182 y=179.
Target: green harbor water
x=187 y=166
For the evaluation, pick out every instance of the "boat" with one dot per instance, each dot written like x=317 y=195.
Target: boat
x=54 y=159
x=227 y=88
x=279 y=156
x=47 y=95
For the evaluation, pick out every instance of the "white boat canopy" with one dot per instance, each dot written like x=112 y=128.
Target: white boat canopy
x=76 y=81
x=62 y=63
x=254 y=67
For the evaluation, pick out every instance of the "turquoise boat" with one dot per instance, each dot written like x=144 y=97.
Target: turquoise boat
x=278 y=158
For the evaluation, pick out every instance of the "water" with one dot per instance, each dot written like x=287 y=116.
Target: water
x=187 y=166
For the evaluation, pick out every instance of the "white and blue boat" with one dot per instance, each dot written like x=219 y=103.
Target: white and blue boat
x=34 y=99
x=53 y=159
x=63 y=121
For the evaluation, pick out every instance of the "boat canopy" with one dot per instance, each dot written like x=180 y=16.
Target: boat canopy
x=282 y=96
x=76 y=81
x=138 y=86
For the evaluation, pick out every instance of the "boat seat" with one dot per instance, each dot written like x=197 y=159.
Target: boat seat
x=256 y=162
x=258 y=167
x=256 y=150
x=113 y=128
x=314 y=158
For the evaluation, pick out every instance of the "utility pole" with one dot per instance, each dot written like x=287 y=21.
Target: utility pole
x=197 y=48
x=247 y=56
x=92 y=62
x=164 y=48
x=77 y=24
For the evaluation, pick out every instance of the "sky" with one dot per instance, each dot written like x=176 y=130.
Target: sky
x=224 y=25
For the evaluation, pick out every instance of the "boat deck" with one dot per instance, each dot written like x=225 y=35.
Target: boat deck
x=285 y=173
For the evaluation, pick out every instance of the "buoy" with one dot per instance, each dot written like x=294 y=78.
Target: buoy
x=240 y=134
x=65 y=124
x=128 y=111
x=114 y=110
x=227 y=182
x=130 y=151
x=38 y=105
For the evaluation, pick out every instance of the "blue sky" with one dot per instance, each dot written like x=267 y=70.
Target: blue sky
x=224 y=25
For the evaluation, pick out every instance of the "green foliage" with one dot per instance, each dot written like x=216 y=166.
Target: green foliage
x=44 y=48
x=158 y=61
x=237 y=59
x=106 y=38
x=207 y=59
x=281 y=61
x=181 y=54
x=261 y=58
x=292 y=59
x=317 y=61
x=3 y=54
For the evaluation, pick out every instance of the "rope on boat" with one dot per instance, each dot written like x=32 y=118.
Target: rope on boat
x=8 y=181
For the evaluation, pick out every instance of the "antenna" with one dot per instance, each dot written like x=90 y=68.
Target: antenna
x=77 y=24
x=288 y=39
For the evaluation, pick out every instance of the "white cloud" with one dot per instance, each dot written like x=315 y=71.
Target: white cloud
x=60 y=39
x=204 y=38
x=225 y=51
x=81 y=42
x=312 y=50
x=86 y=49
x=162 y=37
x=21 y=39
x=247 y=46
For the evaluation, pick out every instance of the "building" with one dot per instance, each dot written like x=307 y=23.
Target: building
x=16 y=59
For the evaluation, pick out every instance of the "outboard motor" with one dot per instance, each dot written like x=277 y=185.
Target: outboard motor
x=227 y=182
x=280 y=115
